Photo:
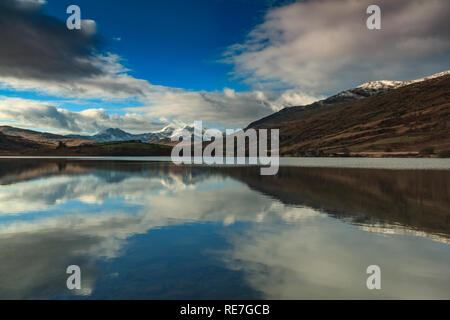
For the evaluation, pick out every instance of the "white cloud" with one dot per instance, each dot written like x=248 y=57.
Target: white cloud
x=31 y=3
x=228 y=108
x=112 y=83
x=104 y=77
x=313 y=47
x=284 y=252
x=73 y=68
x=325 y=45
x=323 y=259
x=89 y=27
x=42 y=114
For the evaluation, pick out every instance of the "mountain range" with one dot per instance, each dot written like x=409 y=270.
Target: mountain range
x=365 y=90
x=116 y=134
x=378 y=118
x=106 y=135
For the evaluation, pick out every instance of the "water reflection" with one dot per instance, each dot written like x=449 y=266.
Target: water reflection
x=154 y=230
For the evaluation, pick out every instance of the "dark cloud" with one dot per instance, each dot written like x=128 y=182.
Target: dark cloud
x=38 y=52
x=39 y=47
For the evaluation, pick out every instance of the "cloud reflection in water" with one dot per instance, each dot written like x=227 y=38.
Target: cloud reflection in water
x=90 y=215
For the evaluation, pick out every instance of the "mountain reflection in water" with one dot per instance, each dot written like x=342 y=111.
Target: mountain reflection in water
x=154 y=230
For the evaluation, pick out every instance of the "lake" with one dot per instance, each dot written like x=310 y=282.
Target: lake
x=153 y=230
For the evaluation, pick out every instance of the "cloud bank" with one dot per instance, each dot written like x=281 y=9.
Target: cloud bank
x=42 y=114
x=225 y=108
x=325 y=45
x=37 y=46
x=307 y=49
x=49 y=59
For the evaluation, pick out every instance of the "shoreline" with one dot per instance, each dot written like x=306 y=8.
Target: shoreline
x=309 y=162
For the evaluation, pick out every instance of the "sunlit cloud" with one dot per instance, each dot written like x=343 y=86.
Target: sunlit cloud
x=29 y=113
x=325 y=46
x=78 y=69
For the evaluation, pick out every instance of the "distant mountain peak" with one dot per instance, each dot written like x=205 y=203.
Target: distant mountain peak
x=362 y=91
x=394 y=84
x=117 y=134
x=381 y=84
x=112 y=134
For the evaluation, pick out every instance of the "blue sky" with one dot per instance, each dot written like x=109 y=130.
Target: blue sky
x=175 y=43
x=141 y=65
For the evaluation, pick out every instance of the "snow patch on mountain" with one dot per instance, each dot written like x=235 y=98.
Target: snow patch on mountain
x=376 y=87
x=165 y=134
x=392 y=84
x=381 y=84
x=113 y=134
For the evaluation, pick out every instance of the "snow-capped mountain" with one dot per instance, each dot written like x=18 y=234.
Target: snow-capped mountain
x=116 y=134
x=290 y=113
x=393 y=84
x=362 y=91
x=113 y=134
x=376 y=87
x=381 y=85
x=188 y=128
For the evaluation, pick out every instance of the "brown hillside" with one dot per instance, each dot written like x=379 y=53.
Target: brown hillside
x=44 y=138
x=413 y=120
x=17 y=145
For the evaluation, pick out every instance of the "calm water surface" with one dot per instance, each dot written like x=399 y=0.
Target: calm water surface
x=153 y=230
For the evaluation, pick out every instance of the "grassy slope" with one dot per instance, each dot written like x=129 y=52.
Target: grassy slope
x=12 y=144
x=126 y=148
x=406 y=120
x=43 y=138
